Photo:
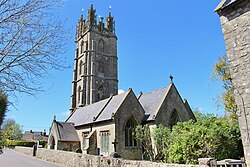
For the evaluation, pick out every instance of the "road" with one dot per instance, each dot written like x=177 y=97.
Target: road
x=11 y=158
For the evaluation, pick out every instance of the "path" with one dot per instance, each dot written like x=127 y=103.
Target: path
x=11 y=158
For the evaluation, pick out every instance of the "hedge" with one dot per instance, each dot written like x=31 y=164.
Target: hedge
x=25 y=143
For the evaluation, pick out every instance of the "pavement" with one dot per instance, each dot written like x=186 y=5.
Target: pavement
x=10 y=158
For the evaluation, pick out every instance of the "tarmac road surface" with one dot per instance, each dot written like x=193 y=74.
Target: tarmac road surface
x=10 y=158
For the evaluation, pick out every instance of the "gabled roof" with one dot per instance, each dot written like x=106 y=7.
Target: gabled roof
x=224 y=4
x=152 y=101
x=66 y=131
x=112 y=107
x=96 y=112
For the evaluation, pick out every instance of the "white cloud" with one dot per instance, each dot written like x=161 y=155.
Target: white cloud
x=120 y=91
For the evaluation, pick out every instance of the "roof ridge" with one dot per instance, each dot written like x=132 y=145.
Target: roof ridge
x=163 y=98
x=156 y=90
x=126 y=94
x=77 y=109
x=139 y=96
x=95 y=118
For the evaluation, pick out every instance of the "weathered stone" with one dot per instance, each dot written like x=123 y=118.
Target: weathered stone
x=235 y=21
x=84 y=160
x=95 y=68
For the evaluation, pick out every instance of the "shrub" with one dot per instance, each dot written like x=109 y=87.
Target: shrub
x=24 y=143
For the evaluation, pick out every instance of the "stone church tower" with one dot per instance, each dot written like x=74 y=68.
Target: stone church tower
x=95 y=63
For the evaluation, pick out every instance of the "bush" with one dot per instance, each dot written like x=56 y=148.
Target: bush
x=211 y=137
x=24 y=143
x=13 y=143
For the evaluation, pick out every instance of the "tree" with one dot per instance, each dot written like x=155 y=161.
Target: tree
x=161 y=135
x=156 y=150
x=14 y=132
x=7 y=123
x=3 y=106
x=11 y=129
x=222 y=73
x=142 y=134
x=208 y=137
x=31 y=44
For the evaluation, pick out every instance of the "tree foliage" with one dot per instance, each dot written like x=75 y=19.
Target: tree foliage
x=210 y=136
x=3 y=106
x=11 y=130
x=7 y=123
x=142 y=134
x=31 y=43
x=160 y=137
x=14 y=132
x=222 y=73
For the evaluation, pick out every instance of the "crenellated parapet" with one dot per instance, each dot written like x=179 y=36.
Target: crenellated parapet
x=92 y=24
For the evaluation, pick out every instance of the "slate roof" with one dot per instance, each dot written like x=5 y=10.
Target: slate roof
x=96 y=112
x=34 y=135
x=224 y=4
x=112 y=107
x=152 y=101
x=66 y=131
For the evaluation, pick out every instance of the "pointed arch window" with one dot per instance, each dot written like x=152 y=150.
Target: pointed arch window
x=101 y=45
x=79 y=92
x=86 y=45
x=52 y=143
x=82 y=47
x=174 y=118
x=101 y=66
x=80 y=67
x=129 y=129
x=94 y=45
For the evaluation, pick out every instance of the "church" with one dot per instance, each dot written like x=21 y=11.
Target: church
x=101 y=120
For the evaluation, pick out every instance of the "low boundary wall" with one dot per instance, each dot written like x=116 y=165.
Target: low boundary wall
x=71 y=159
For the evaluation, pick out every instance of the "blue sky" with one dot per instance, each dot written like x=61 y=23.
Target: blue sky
x=156 y=38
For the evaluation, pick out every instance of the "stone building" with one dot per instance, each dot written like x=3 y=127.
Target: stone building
x=35 y=135
x=235 y=21
x=64 y=136
x=102 y=121
x=95 y=70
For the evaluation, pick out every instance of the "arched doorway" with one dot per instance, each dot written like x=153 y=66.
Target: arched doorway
x=52 y=143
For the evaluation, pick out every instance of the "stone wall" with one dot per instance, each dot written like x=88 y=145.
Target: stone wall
x=235 y=21
x=70 y=159
x=130 y=108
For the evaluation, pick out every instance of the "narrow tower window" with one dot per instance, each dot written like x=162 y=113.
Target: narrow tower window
x=87 y=45
x=101 y=45
x=79 y=94
x=94 y=45
x=82 y=43
x=80 y=67
x=101 y=66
